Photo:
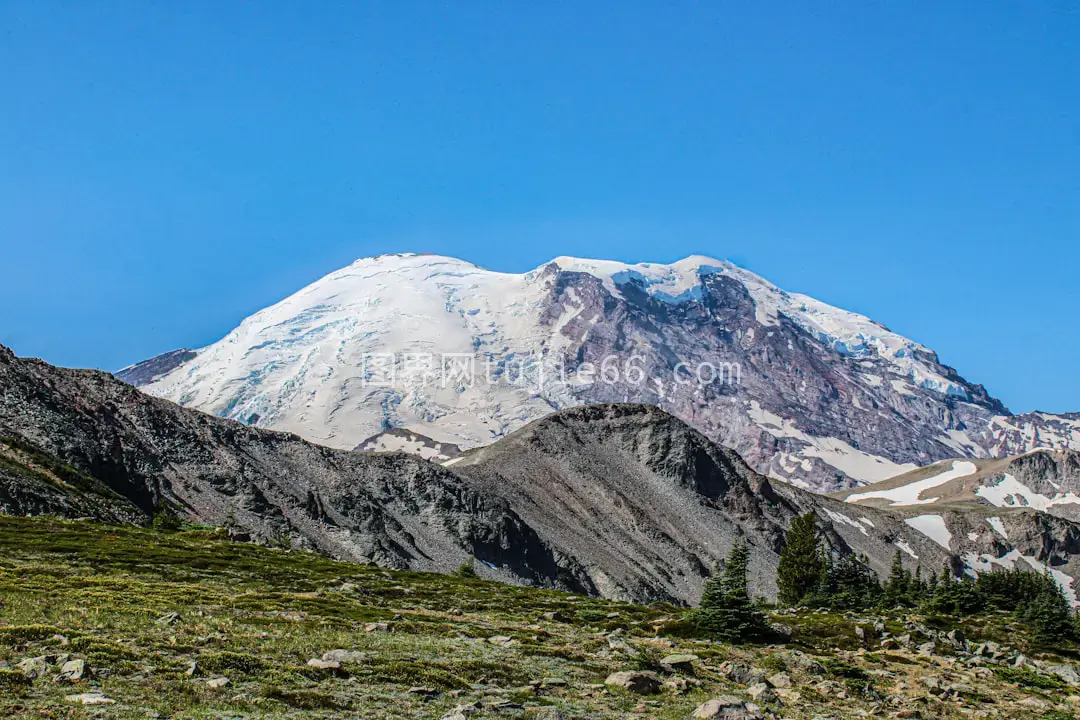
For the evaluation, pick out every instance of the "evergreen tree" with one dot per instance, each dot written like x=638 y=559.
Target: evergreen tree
x=898 y=585
x=800 y=567
x=726 y=611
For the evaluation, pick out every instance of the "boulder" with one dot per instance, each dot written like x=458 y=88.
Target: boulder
x=679 y=662
x=344 y=657
x=643 y=683
x=90 y=698
x=74 y=670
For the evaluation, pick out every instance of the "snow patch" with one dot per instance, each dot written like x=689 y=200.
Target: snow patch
x=933 y=527
x=911 y=493
x=845 y=520
x=1010 y=492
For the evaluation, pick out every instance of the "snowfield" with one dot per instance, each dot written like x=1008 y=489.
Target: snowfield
x=911 y=494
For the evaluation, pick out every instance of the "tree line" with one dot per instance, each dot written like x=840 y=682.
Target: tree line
x=810 y=575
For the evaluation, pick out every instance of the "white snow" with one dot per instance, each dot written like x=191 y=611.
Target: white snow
x=845 y=520
x=911 y=493
x=933 y=527
x=903 y=545
x=832 y=451
x=867 y=521
x=1010 y=492
x=999 y=527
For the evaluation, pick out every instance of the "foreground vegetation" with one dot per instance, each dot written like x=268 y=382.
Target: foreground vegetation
x=186 y=624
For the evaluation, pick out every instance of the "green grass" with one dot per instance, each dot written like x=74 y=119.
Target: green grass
x=256 y=615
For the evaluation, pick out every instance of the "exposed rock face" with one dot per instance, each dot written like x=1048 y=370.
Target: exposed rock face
x=803 y=391
x=142 y=452
x=649 y=505
x=148 y=371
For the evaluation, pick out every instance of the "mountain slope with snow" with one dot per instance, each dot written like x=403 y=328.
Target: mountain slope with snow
x=806 y=392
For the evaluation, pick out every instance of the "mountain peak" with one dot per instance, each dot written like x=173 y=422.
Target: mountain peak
x=808 y=392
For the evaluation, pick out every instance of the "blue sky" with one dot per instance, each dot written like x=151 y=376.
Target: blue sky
x=168 y=168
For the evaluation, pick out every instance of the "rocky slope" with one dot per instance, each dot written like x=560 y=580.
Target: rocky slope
x=1014 y=512
x=138 y=453
x=648 y=505
x=806 y=392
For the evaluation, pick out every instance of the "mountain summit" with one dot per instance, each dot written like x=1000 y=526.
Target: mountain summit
x=806 y=392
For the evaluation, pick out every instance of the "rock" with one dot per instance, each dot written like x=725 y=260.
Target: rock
x=926 y=649
x=643 y=683
x=426 y=691
x=680 y=662
x=74 y=670
x=553 y=682
x=376 y=627
x=34 y=667
x=320 y=664
x=461 y=712
x=780 y=680
x=544 y=713
x=802 y=661
x=90 y=698
x=956 y=639
x=555 y=617
x=345 y=656
x=167 y=619
x=217 y=683
x=762 y=693
x=725 y=707
x=192 y=668
x=1065 y=672
x=677 y=685
x=501 y=640
x=740 y=674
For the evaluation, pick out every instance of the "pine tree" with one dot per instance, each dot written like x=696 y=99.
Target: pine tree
x=898 y=585
x=726 y=611
x=800 y=563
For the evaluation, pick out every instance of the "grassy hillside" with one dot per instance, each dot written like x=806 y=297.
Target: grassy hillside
x=161 y=619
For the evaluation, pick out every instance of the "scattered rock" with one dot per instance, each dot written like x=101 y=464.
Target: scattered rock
x=321 y=664
x=217 y=683
x=167 y=619
x=643 y=683
x=377 y=627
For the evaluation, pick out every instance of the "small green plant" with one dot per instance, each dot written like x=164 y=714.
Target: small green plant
x=1026 y=677
x=467 y=570
x=14 y=682
x=165 y=520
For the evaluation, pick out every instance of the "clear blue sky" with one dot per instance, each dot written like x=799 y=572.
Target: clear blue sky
x=167 y=168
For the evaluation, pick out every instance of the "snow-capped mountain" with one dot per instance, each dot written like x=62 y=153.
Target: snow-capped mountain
x=806 y=392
